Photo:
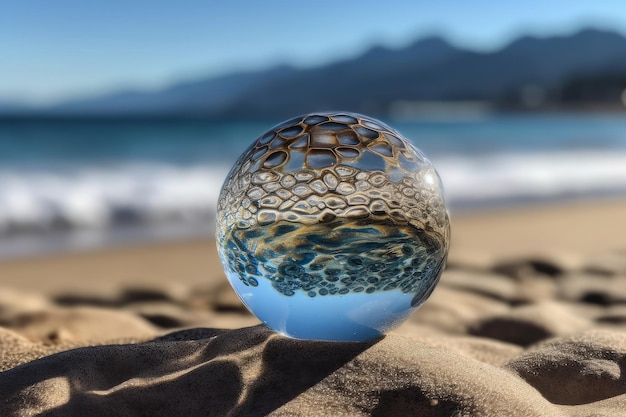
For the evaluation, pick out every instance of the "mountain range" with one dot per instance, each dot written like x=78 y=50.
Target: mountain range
x=430 y=69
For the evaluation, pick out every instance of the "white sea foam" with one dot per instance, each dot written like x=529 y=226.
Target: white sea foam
x=99 y=198
x=490 y=179
x=177 y=198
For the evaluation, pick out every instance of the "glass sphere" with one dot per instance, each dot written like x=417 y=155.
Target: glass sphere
x=332 y=226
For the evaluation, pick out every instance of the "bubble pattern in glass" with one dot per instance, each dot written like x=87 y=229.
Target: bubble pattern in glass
x=332 y=226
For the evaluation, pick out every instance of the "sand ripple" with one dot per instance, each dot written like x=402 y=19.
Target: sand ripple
x=524 y=337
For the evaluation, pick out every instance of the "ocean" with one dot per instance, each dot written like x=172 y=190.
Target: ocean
x=75 y=184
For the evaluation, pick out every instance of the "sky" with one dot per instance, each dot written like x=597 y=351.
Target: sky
x=55 y=50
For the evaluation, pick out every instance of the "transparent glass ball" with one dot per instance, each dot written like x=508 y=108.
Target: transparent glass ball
x=332 y=226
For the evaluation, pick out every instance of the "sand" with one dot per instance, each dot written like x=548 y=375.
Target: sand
x=529 y=320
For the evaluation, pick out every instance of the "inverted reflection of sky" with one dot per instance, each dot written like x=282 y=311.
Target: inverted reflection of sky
x=348 y=317
x=77 y=47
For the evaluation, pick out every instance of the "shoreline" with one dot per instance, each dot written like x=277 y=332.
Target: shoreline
x=57 y=242
x=565 y=230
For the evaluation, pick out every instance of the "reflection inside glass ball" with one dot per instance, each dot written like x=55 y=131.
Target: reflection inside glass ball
x=332 y=226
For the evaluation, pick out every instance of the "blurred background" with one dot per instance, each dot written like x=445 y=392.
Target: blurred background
x=120 y=120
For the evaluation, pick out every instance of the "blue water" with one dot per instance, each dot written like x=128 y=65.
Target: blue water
x=88 y=142
x=89 y=179
x=33 y=142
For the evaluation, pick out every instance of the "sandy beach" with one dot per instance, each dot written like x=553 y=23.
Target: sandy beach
x=529 y=319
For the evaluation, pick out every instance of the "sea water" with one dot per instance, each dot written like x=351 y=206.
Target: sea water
x=75 y=183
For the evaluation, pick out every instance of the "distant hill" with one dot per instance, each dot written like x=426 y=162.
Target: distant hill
x=430 y=69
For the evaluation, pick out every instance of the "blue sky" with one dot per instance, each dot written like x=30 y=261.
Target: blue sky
x=66 y=48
